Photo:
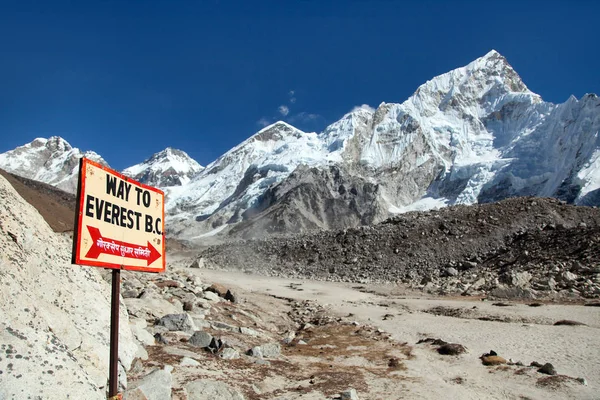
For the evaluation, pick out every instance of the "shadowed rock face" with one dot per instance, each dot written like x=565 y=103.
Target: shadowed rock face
x=312 y=198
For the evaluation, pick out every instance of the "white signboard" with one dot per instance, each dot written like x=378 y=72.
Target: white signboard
x=120 y=223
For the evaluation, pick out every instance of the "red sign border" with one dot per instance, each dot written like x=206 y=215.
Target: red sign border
x=76 y=256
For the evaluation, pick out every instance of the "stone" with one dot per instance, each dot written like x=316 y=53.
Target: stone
x=451 y=271
x=520 y=279
x=229 y=353
x=218 y=289
x=478 y=284
x=349 y=394
x=200 y=339
x=451 y=349
x=211 y=296
x=255 y=352
x=140 y=333
x=248 y=331
x=155 y=386
x=177 y=322
x=224 y=326
x=214 y=390
x=569 y=322
x=547 y=369
x=492 y=360
x=130 y=293
x=188 y=306
x=568 y=276
x=167 y=284
x=229 y=296
x=188 y=362
x=204 y=304
x=268 y=350
x=195 y=264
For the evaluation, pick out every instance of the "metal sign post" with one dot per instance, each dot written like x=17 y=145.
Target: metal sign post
x=119 y=224
x=113 y=371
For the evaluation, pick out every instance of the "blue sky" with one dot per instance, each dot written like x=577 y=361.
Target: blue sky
x=129 y=78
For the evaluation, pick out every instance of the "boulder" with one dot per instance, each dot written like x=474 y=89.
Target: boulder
x=452 y=349
x=200 y=339
x=248 y=331
x=218 y=289
x=493 y=360
x=229 y=296
x=188 y=362
x=268 y=350
x=547 y=369
x=349 y=394
x=154 y=386
x=177 y=322
x=211 y=296
x=229 y=353
x=208 y=389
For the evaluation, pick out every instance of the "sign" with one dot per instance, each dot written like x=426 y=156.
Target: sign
x=120 y=223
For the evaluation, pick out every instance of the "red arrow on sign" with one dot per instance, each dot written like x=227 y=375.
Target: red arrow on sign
x=102 y=245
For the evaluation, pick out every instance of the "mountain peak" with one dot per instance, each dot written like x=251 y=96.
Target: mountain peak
x=276 y=131
x=492 y=54
x=169 y=167
x=277 y=124
x=56 y=143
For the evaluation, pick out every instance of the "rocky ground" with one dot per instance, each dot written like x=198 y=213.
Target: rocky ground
x=522 y=247
x=204 y=341
x=269 y=338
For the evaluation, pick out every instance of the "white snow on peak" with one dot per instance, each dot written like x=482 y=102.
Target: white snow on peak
x=53 y=161
x=168 y=167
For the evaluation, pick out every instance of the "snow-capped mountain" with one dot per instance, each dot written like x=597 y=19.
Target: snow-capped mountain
x=170 y=167
x=474 y=134
x=51 y=161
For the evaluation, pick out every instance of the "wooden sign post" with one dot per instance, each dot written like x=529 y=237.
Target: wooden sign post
x=119 y=224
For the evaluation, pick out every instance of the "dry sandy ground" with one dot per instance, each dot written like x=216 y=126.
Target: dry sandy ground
x=518 y=332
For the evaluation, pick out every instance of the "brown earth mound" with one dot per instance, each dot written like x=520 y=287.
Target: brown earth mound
x=56 y=206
